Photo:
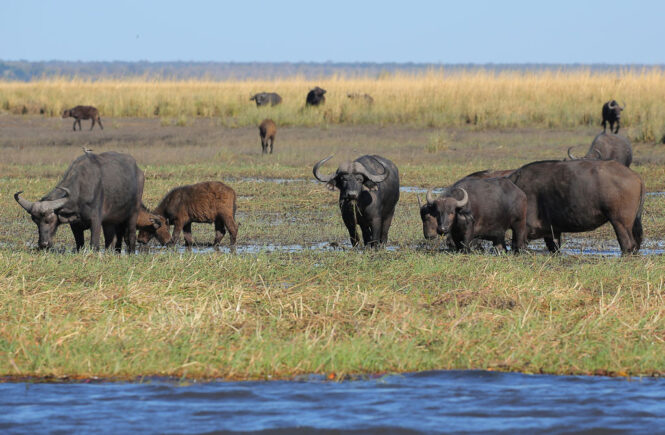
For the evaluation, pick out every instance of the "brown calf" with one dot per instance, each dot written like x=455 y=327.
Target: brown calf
x=206 y=202
x=83 y=112
x=267 y=131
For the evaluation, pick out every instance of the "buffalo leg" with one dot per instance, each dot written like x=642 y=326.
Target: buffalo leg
x=272 y=141
x=372 y=233
x=111 y=236
x=187 y=232
x=499 y=244
x=77 y=231
x=617 y=129
x=99 y=121
x=93 y=124
x=349 y=221
x=385 y=227
x=625 y=238
x=95 y=233
x=220 y=231
x=229 y=222
x=177 y=229
x=74 y=125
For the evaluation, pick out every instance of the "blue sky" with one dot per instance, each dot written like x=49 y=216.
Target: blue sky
x=506 y=31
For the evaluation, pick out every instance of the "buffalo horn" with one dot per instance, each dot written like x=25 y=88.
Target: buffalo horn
x=317 y=175
x=624 y=105
x=612 y=104
x=600 y=156
x=464 y=200
x=419 y=203
x=361 y=169
x=570 y=155
x=429 y=196
x=27 y=205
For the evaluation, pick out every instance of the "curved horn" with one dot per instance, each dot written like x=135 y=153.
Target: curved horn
x=27 y=205
x=570 y=155
x=612 y=104
x=419 y=203
x=51 y=205
x=464 y=200
x=65 y=190
x=317 y=175
x=360 y=168
x=429 y=196
x=600 y=156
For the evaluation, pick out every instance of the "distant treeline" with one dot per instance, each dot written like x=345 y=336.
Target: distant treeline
x=27 y=71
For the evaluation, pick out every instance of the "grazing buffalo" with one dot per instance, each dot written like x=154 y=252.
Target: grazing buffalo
x=367 y=98
x=98 y=191
x=480 y=209
x=267 y=131
x=146 y=221
x=609 y=147
x=612 y=114
x=266 y=98
x=206 y=202
x=316 y=97
x=581 y=195
x=83 y=112
x=368 y=192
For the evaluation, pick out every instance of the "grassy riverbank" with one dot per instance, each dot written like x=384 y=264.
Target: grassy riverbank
x=321 y=310
x=481 y=99
x=279 y=315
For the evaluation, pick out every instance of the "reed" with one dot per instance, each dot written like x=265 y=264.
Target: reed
x=480 y=98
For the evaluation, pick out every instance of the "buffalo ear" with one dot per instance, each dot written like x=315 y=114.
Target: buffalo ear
x=331 y=184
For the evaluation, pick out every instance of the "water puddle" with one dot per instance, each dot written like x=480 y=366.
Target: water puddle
x=417 y=403
x=655 y=193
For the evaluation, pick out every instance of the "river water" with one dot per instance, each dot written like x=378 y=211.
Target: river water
x=426 y=402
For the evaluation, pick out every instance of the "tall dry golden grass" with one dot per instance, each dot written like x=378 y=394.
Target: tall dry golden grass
x=483 y=99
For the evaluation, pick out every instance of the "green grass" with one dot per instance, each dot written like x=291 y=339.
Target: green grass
x=277 y=315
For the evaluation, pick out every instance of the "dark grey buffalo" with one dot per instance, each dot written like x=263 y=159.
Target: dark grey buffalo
x=480 y=208
x=612 y=113
x=316 y=97
x=83 y=112
x=266 y=98
x=609 y=147
x=368 y=192
x=581 y=195
x=430 y=224
x=98 y=192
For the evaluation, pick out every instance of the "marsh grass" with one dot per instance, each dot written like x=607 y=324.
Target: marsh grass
x=342 y=311
x=480 y=99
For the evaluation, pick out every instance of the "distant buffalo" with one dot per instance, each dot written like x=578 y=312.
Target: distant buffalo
x=316 y=97
x=267 y=131
x=266 y=98
x=609 y=147
x=83 y=112
x=612 y=113
x=367 y=98
x=368 y=192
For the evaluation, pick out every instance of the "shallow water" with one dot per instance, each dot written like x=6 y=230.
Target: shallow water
x=426 y=402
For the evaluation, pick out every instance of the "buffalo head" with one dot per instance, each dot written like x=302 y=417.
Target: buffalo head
x=445 y=208
x=151 y=225
x=350 y=178
x=66 y=113
x=43 y=214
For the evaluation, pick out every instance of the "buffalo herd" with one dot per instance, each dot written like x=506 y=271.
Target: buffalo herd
x=540 y=200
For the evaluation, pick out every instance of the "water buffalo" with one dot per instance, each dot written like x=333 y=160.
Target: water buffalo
x=267 y=131
x=581 y=195
x=368 y=192
x=612 y=114
x=367 y=98
x=206 y=202
x=98 y=192
x=609 y=147
x=480 y=209
x=83 y=112
x=316 y=97
x=266 y=98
